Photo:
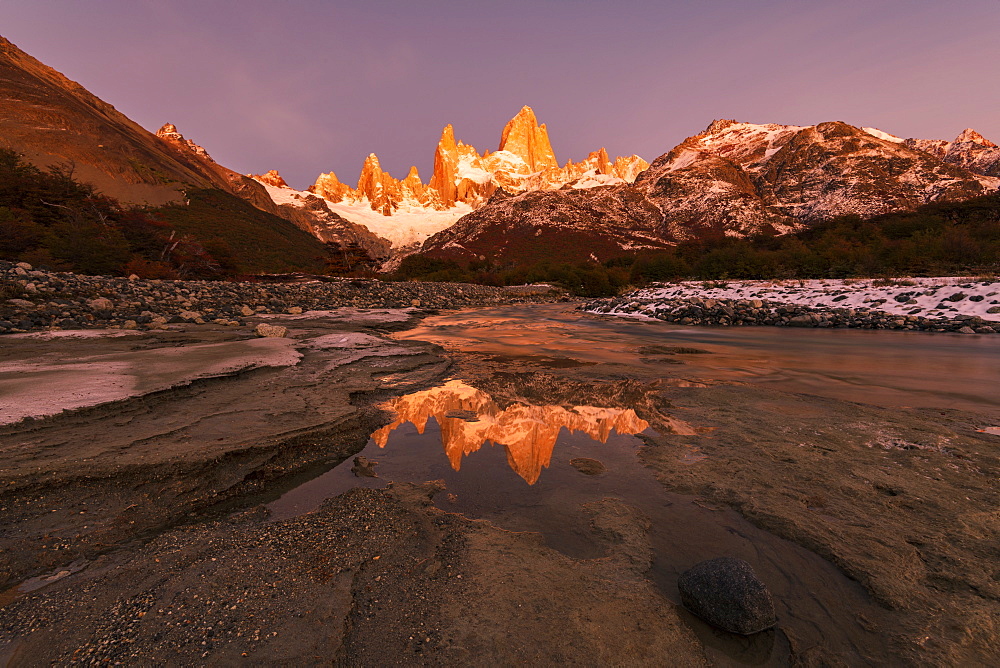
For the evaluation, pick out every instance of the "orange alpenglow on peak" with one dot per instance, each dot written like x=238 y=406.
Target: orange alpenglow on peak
x=271 y=178
x=329 y=187
x=527 y=433
x=169 y=133
x=968 y=134
x=445 y=165
x=523 y=137
x=525 y=161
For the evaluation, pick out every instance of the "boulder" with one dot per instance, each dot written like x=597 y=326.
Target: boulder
x=588 y=466
x=364 y=467
x=726 y=593
x=266 y=330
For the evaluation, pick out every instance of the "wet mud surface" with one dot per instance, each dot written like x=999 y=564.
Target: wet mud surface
x=580 y=466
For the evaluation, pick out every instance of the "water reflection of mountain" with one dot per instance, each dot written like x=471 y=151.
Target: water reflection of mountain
x=528 y=433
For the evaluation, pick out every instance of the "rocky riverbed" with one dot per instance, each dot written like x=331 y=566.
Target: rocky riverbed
x=134 y=530
x=139 y=469
x=965 y=305
x=32 y=299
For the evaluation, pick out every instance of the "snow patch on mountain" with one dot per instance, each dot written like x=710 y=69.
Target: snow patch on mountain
x=875 y=132
x=410 y=224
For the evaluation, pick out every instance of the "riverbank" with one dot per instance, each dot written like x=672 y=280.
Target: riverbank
x=136 y=528
x=965 y=305
x=33 y=300
x=141 y=528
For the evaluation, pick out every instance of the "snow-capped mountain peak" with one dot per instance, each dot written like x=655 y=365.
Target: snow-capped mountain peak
x=732 y=179
x=463 y=180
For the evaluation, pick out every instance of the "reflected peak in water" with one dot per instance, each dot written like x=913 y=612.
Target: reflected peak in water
x=528 y=433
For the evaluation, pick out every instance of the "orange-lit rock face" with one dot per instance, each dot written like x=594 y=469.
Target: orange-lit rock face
x=329 y=187
x=528 y=433
x=271 y=178
x=169 y=133
x=529 y=141
x=524 y=161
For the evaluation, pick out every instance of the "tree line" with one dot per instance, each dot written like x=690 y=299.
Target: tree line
x=939 y=239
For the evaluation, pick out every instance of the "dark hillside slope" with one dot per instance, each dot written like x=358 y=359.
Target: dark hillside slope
x=254 y=240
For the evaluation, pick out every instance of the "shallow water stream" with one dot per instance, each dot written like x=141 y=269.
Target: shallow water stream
x=532 y=467
x=885 y=368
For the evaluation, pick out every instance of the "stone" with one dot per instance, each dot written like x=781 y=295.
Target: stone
x=801 y=321
x=246 y=311
x=24 y=265
x=588 y=466
x=101 y=304
x=270 y=331
x=726 y=593
x=364 y=467
x=295 y=310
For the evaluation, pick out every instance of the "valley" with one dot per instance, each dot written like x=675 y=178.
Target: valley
x=191 y=515
x=511 y=409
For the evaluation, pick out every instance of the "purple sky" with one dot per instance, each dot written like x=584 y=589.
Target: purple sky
x=305 y=86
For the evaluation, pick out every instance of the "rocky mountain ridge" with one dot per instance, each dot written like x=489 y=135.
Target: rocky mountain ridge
x=524 y=161
x=470 y=418
x=52 y=120
x=970 y=150
x=409 y=210
x=733 y=179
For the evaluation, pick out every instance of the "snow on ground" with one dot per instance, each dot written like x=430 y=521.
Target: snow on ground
x=926 y=297
x=684 y=159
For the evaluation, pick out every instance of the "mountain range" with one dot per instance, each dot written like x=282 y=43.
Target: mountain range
x=733 y=179
x=517 y=203
x=469 y=419
x=407 y=211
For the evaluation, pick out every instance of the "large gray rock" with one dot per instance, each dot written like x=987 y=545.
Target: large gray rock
x=726 y=593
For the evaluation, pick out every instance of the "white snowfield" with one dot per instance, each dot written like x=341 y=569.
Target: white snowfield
x=410 y=224
x=925 y=297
